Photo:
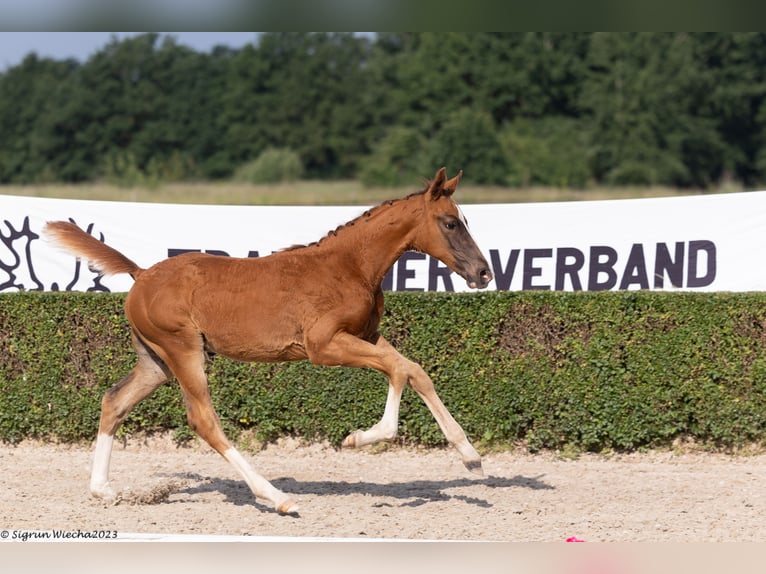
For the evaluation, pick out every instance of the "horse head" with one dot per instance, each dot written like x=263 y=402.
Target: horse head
x=443 y=233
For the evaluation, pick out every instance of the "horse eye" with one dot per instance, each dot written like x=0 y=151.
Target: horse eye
x=450 y=225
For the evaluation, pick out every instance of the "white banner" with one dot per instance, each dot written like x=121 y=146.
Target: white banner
x=708 y=242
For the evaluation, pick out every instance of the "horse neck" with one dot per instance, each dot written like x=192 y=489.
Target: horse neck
x=376 y=239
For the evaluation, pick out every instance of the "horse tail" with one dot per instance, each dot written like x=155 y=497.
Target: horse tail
x=105 y=259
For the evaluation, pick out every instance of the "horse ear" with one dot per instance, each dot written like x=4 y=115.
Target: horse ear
x=437 y=187
x=451 y=185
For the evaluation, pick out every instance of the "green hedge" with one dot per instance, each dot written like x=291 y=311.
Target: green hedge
x=589 y=371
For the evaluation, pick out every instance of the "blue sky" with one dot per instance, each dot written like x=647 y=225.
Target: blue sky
x=81 y=45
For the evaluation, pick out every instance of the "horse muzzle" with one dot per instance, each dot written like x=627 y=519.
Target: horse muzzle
x=480 y=279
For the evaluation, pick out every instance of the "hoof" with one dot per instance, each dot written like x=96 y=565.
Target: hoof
x=103 y=492
x=351 y=440
x=288 y=507
x=474 y=466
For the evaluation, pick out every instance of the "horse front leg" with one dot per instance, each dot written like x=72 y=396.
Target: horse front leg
x=345 y=349
x=386 y=428
x=424 y=386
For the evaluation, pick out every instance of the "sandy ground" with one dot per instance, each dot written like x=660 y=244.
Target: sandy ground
x=394 y=494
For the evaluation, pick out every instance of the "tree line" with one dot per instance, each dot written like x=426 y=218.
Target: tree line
x=562 y=109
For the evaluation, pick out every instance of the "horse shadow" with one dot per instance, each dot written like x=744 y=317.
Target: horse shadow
x=411 y=493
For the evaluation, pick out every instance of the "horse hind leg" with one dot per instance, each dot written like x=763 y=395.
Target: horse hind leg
x=148 y=374
x=189 y=370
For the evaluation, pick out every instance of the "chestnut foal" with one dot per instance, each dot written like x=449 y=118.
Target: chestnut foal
x=322 y=302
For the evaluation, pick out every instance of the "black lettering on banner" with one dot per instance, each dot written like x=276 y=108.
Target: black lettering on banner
x=173 y=252
x=436 y=271
x=403 y=273
x=599 y=266
x=530 y=271
x=503 y=277
x=635 y=269
x=698 y=260
x=674 y=267
x=564 y=269
x=388 y=280
x=708 y=248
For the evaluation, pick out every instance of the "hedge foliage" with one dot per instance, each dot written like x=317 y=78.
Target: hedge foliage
x=589 y=371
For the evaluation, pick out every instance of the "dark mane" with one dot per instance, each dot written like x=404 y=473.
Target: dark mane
x=368 y=213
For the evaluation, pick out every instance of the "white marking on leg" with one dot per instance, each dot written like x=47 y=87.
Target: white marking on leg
x=99 y=477
x=386 y=428
x=259 y=485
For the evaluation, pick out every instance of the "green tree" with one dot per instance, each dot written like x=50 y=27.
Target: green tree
x=683 y=109
x=735 y=68
x=642 y=98
x=469 y=141
x=398 y=159
x=28 y=93
x=272 y=166
x=529 y=75
x=546 y=151
x=304 y=92
x=149 y=101
x=434 y=80
x=430 y=82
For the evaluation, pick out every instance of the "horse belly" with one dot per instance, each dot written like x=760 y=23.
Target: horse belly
x=247 y=337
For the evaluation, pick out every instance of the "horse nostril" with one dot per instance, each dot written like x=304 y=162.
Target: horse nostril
x=486 y=274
